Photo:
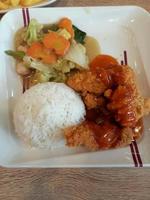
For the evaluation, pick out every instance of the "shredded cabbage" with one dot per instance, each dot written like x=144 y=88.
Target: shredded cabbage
x=45 y=72
x=33 y=32
x=77 y=54
x=35 y=64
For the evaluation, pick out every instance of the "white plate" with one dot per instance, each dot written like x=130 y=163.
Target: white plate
x=118 y=29
x=41 y=4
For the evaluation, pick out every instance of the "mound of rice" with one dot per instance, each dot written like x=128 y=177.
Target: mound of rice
x=44 y=110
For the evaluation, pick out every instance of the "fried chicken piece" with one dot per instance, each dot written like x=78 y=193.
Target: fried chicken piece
x=116 y=75
x=96 y=137
x=123 y=74
x=81 y=135
x=126 y=137
x=123 y=104
x=125 y=101
x=92 y=101
x=86 y=81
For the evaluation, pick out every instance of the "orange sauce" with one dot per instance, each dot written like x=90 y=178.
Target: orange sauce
x=102 y=61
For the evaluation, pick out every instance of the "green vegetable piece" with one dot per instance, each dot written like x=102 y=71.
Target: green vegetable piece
x=50 y=27
x=63 y=66
x=41 y=77
x=16 y=54
x=33 y=32
x=79 y=35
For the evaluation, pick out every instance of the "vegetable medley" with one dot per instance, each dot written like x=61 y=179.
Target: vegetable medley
x=50 y=52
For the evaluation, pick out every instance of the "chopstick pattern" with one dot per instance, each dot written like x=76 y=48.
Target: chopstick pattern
x=26 y=21
x=133 y=146
x=26 y=16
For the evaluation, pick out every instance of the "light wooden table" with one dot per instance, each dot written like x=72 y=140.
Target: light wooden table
x=77 y=184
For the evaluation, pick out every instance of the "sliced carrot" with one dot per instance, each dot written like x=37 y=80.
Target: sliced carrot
x=38 y=50
x=49 y=59
x=67 y=24
x=56 y=42
x=102 y=61
x=35 y=50
x=61 y=46
x=50 y=39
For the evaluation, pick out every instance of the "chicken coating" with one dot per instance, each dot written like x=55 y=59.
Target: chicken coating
x=86 y=81
x=123 y=104
x=108 y=136
x=81 y=135
x=92 y=101
x=124 y=101
x=115 y=91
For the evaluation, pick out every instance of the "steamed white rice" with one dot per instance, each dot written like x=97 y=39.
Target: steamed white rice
x=44 y=110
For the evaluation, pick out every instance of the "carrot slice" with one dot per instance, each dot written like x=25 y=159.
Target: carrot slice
x=56 y=42
x=102 y=61
x=49 y=59
x=67 y=24
x=35 y=50
x=50 y=39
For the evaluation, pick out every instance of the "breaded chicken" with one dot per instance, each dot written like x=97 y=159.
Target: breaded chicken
x=81 y=135
x=126 y=101
x=92 y=101
x=111 y=136
x=123 y=104
x=117 y=85
x=86 y=81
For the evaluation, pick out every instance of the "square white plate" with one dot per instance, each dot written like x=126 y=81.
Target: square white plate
x=117 y=29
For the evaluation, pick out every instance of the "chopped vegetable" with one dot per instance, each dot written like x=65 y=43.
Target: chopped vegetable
x=56 y=42
x=35 y=64
x=50 y=27
x=77 y=54
x=49 y=58
x=59 y=77
x=16 y=54
x=44 y=72
x=49 y=52
x=40 y=77
x=102 y=61
x=37 y=50
x=33 y=32
x=64 y=33
x=66 y=23
x=64 y=66
x=79 y=35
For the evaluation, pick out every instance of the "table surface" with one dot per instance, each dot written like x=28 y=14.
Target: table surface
x=78 y=184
